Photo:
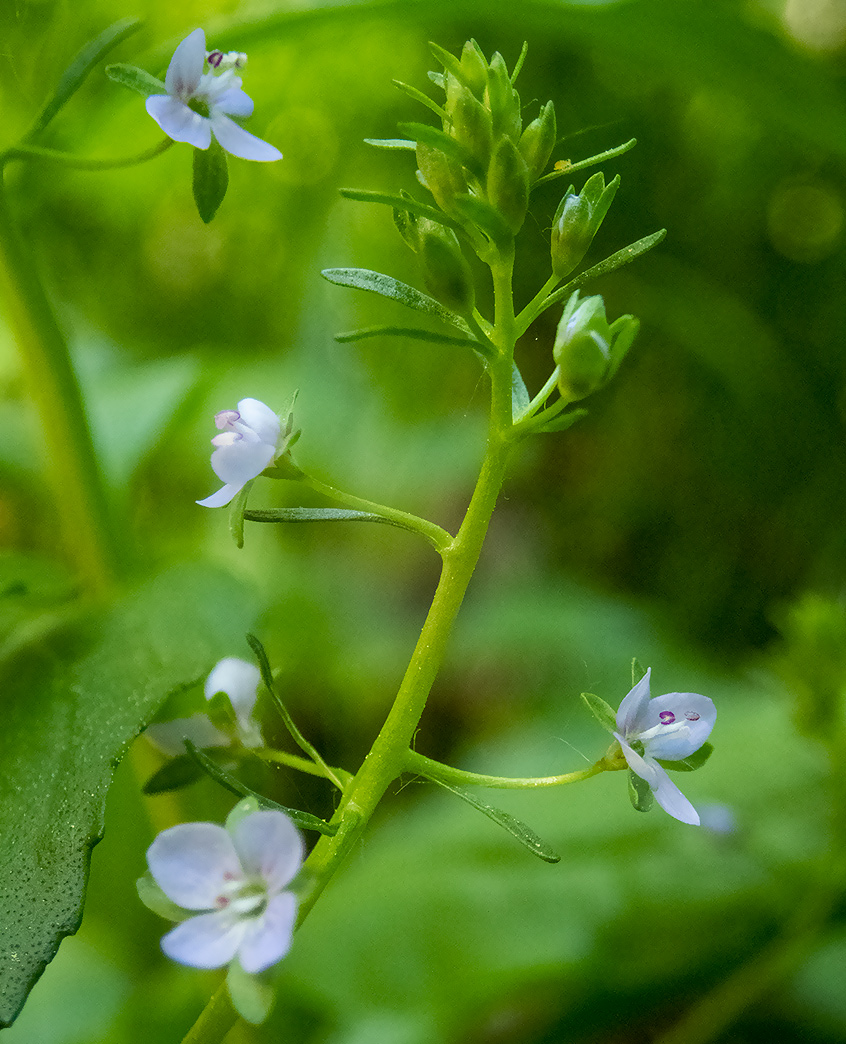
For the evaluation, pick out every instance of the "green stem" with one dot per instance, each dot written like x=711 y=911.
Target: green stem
x=541 y=396
x=25 y=152
x=339 y=776
x=439 y=538
x=215 y=1021
x=537 y=305
x=439 y=772
x=79 y=490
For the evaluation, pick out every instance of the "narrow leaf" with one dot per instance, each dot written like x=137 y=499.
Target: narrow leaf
x=640 y=794
x=211 y=179
x=519 y=64
x=135 y=79
x=604 y=714
x=304 y=820
x=176 y=773
x=300 y=514
x=419 y=96
x=692 y=762
x=448 y=61
x=518 y=829
x=387 y=286
x=72 y=78
x=415 y=334
x=236 y=513
x=403 y=202
x=425 y=134
x=391 y=143
x=565 y=167
x=562 y=421
x=519 y=393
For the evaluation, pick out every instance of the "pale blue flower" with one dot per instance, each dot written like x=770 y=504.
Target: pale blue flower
x=248 y=443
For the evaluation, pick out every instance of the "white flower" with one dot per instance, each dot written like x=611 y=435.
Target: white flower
x=669 y=728
x=239 y=680
x=236 y=881
x=248 y=443
x=199 y=104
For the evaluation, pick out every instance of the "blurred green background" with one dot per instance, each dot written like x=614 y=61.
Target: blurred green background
x=693 y=520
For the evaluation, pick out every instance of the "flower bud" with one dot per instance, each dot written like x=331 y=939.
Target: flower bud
x=445 y=270
x=442 y=176
x=471 y=125
x=475 y=68
x=588 y=350
x=538 y=141
x=502 y=100
x=577 y=220
x=508 y=184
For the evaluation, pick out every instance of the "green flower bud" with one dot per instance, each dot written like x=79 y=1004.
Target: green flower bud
x=445 y=270
x=508 y=184
x=502 y=100
x=588 y=350
x=442 y=176
x=475 y=68
x=538 y=141
x=577 y=220
x=471 y=125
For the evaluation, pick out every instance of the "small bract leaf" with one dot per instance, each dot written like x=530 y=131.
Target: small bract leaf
x=236 y=513
x=692 y=762
x=154 y=899
x=135 y=79
x=516 y=827
x=413 y=334
x=391 y=143
x=640 y=794
x=211 y=179
x=252 y=996
x=637 y=671
x=387 y=286
x=519 y=393
x=604 y=714
x=400 y=202
x=176 y=773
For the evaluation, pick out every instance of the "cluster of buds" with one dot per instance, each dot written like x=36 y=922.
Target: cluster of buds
x=588 y=349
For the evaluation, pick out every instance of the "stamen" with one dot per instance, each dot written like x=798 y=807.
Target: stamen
x=667 y=717
x=214 y=58
x=226 y=418
x=222 y=901
x=691 y=715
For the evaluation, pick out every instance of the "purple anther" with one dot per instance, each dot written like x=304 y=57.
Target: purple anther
x=222 y=901
x=667 y=717
x=214 y=58
x=226 y=418
x=691 y=715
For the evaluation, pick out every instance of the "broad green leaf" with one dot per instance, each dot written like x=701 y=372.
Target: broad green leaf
x=401 y=202
x=304 y=820
x=72 y=78
x=692 y=762
x=414 y=334
x=640 y=793
x=519 y=393
x=252 y=996
x=516 y=827
x=210 y=180
x=604 y=714
x=72 y=705
x=387 y=286
x=135 y=79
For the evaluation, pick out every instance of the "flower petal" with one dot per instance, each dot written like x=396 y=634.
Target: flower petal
x=630 y=714
x=268 y=938
x=697 y=713
x=234 y=102
x=241 y=461
x=207 y=941
x=168 y=736
x=239 y=680
x=222 y=497
x=192 y=862
x=178 y=121
x=261 y=418
x=667 y=794
x=270 y=845
x=240 y=142
x=186 y=65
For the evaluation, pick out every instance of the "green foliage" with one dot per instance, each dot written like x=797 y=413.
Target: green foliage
x=252 y=995
x=604 y=714
x=210 y=179
x=138 y=80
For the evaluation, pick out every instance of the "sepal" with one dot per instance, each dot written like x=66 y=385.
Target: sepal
x=135 y=79
x=604 y=714
x=508 y=184
x=252 y=996
x=154 y=899
x=538 y=140
x=640 y=793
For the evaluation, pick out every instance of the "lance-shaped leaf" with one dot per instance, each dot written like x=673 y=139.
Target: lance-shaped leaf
x=638 y=671
x=561 y=422
x=424 y=134
x=176 y=773
x=400 y=202
x=135 y=79
x=300 y=514
x=73 y=77
x=516 y=827
x=604 y=714
x=391 y=143
x=387 y=286
x=415 y=334
x=304 y=820
x=419 y=96
x=211 y=179
x=566 y=167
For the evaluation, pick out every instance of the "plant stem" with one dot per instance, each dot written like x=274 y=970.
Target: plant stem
x=280 y=757
x=79 y=491
x=25 y=152
x=215 y=1021
x=437 y=771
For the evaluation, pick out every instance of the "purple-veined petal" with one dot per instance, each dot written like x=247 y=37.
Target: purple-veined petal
x=239 y=680
x=268 y=938
x=241 y=461
x=178 y=121
x=222 y=497
x=269 y=845
x=234 y=102
x=671 y=799
x=240 y=142
x=697 y=713
x=168 y=736
x=632 y=709
x=207 y=941
x=192 y=862
x=186 y=65
x=261 y=418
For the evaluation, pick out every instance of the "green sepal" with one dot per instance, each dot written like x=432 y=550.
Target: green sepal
x=304 y=820
x=387 y=286
x=401 y=202
x=154 y=899
x=252 y=996
x=640 y=793
x=220 y=711
x=135 y=79
x=604 y=714
x=236 y=513
x=419 y=96
x=484 y=216
x=446 y=273
x=692 y=762
x=72 y=78
x=211 y=179
x=451 y=64
x=414 y=334
x=424 y=134
x=175 y=774
x=391 y=143
x=518 y=829
x=245 y=807
x=519 y=393
x=508 y=184
x=637 y=671
x=561 y=422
